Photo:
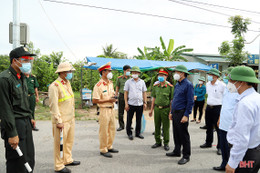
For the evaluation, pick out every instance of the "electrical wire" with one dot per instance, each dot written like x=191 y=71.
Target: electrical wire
x=57 y=30
x=215 y=5
x=140 y=13
x=205 y=9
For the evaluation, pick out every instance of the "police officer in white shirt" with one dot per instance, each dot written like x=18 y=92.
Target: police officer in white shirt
x=215 y=90
x=244 y=132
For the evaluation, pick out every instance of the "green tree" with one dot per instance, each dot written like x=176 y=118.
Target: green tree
x=110 y=52
x=234 y=51
x=4 y=62
x=171 y=54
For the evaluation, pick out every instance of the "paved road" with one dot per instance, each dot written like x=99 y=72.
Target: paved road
x=134 y=156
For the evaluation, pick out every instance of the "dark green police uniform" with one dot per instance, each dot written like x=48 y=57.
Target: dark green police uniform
x=16 y=118
x=32 y=84
x=120 y=83
x=163 y=96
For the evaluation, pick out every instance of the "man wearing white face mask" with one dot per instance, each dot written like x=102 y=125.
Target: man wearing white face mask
x=135 y=102
x=104 y=96
x=62 y=108
x=120 y=84
x=244 y=132
x=215 y=90
x=181 y=107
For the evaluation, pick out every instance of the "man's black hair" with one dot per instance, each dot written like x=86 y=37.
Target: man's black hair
x=126 y=67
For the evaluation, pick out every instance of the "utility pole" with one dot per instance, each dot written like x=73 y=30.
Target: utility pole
x=16 y=23
x=258 y=87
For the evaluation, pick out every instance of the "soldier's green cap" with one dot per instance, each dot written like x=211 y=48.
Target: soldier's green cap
x=214 y=71
x=181 y=68
x=202 y=79
x=135 y=68
x=244 y=74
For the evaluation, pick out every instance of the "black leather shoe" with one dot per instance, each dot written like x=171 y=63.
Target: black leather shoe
x=203 y=127
x=64 y=170
x=219 y=168
x=106 y=155
x=172 y=154
x=130 y=137
x=206 y=145
x=113 y=150
x=120 y=128
x=74 y=163
x=166 y=147
x=156 y=145
x=219 y=152
x=139 y=136
x=35 y=129
x=183 y=161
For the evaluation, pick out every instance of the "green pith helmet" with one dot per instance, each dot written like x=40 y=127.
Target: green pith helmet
x=214 y=72
x=135 y=68
x=181 y=68
x=244 y=74
x=228 y=70
x=202 y=79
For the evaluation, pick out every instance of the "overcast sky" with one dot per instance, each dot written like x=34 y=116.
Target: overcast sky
x=86 y=30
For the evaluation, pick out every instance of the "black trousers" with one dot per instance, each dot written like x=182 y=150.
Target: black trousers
x=139 y=112
x=200 y=105
x=121 y=110
x=181 y=134
x=14 y=163
x=212 y=116
x=225 y=150
x=251 y=162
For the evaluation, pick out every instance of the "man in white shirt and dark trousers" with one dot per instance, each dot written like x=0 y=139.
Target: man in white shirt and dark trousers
x=135 y=101
x=244 y=132
x=215 y=89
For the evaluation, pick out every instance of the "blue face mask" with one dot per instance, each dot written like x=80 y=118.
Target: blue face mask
x=160 y=78
x=210 y=78
x=26 y=67
x=127 y=73
x=69 y=76
x=225 y=81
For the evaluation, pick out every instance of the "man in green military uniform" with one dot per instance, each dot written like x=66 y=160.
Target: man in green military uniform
x=162 y=94
x=33 y=95
x=120 y=84
x=15 y=113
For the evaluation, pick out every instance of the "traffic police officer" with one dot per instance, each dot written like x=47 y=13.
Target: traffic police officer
x=15 y=113
x=33 y=95
x=244 y=132
x=103 y=95
x=162 y=94
x=62 y=108
x=120 y=83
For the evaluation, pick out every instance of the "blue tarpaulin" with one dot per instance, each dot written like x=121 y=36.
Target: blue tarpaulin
x=144 y=65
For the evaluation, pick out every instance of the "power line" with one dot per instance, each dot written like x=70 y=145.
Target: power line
x=215 y=5
x=140 y=13
x=205 y=9
x=56 y=30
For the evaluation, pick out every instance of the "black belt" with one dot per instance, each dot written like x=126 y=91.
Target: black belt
x=213 y=106
x=30 y=94
x=162 y=107
x=177 y=111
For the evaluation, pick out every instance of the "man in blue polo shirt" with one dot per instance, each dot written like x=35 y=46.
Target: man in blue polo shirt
x=181 y=108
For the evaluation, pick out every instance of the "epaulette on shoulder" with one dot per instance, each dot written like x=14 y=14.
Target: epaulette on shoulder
x=120 y=77
x=156 y=84
x=7 y=73
x=99 y=83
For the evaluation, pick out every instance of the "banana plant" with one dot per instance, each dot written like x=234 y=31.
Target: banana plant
x=171 y=54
